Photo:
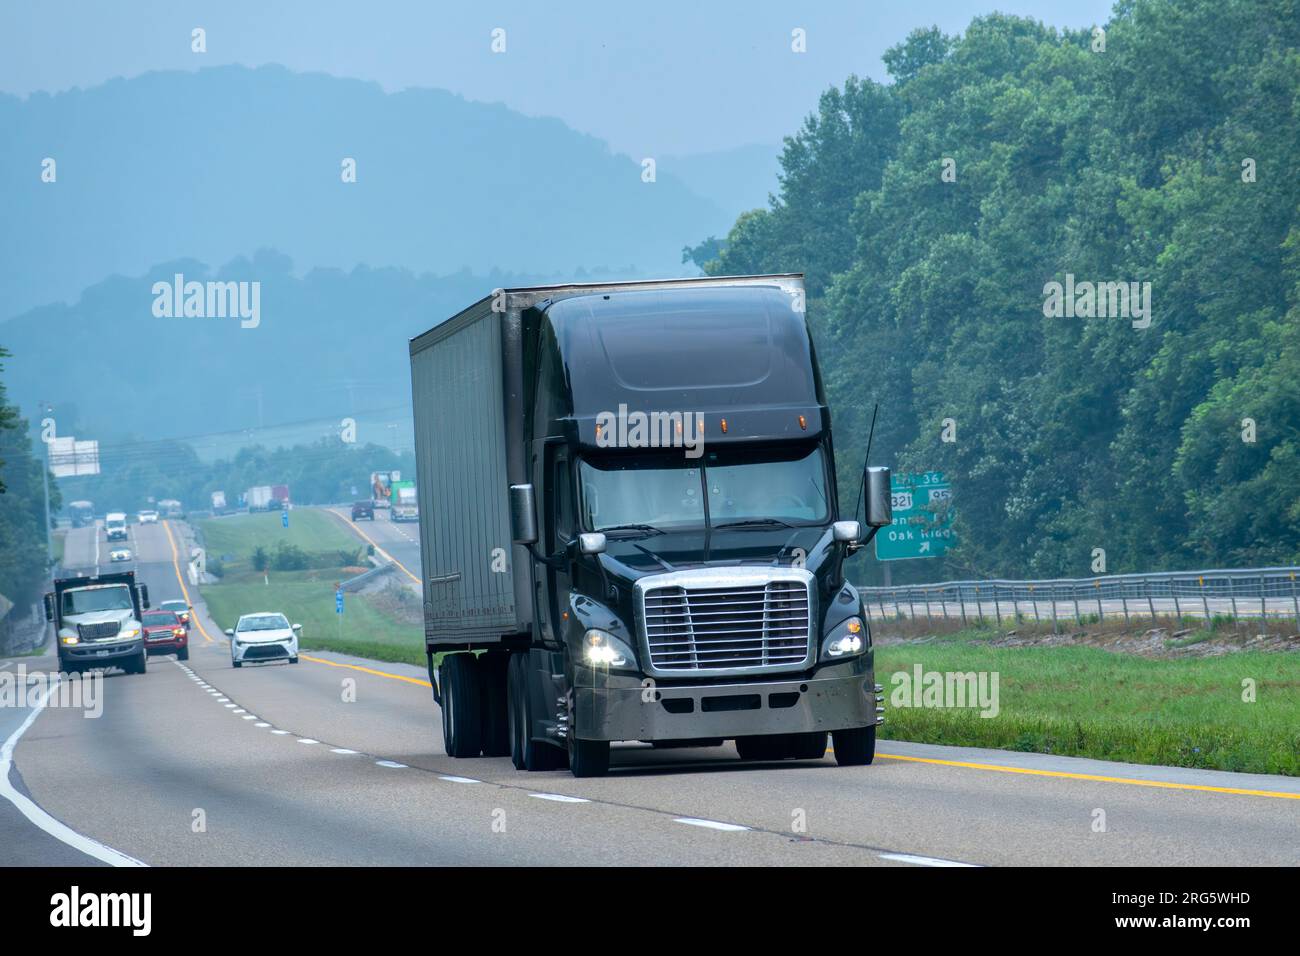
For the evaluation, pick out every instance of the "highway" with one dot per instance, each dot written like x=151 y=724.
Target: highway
x=338 y=761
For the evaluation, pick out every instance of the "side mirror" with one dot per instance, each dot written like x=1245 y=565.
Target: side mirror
x=49 y=605
x=230 y=632
x=297 y=627
x=880 y=512
x=523 y=514
x=846 y=531
x=592 y=542
x=144 y=595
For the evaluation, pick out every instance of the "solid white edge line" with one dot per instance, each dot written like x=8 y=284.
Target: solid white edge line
x=28 y=808
x=711 y=824
x=923 y=860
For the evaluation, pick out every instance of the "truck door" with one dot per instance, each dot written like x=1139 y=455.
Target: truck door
x=558 y=526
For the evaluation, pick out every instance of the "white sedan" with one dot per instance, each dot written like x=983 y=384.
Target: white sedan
x=148 y=517
x=120 y=554
x=264 y=636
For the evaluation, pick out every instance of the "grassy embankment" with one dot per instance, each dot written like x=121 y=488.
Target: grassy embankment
x=304 y=596
x=1088 y=702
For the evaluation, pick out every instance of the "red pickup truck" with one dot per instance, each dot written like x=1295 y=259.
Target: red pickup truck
x=164 y=633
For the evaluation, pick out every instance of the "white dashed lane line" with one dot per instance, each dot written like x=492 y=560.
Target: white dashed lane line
x=922 y=860
x=559 y=798
x=711 y=824
x=450 y=779
x=390 y=763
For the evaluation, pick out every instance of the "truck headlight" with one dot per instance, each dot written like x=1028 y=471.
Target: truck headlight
x=69 y=640
x=130 y=632
x=602 y=649
x=847 y=640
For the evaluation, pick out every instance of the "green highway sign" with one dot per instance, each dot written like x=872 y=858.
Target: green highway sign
x=914 y=533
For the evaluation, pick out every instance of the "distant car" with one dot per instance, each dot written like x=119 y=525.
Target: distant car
x=148 y=517
x=120 y=554
x=164 y=632
x=264 y=636
x=363 y=509
x=180 y=609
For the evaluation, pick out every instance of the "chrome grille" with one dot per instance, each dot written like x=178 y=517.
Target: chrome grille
x=726 y=626
x=97 y=632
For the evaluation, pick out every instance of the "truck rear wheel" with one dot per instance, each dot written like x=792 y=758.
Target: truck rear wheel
x=461 y=706
x=525 y=753
x=492 y=669
x=855 y=747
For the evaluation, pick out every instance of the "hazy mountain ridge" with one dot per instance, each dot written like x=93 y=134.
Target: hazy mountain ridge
x=216 y=163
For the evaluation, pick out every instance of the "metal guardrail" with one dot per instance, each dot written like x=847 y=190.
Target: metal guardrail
x=1272 y=593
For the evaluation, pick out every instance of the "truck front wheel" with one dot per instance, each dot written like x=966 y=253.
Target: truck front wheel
x=855 y=747
x=462 y=711
x=140 y=664
x=588 y=758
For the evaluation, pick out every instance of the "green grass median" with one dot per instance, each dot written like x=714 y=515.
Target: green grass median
x=370 y=626
x=1088 y=702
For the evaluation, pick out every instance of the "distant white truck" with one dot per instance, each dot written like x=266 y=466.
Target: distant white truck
x=115 y=525
x=259 y=498
x=218 y=502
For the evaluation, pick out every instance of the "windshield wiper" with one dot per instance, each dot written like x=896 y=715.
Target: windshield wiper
x=755 y=523
x=640 y=528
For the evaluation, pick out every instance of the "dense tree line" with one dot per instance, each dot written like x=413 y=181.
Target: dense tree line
x=930 y=214
x=22 y=509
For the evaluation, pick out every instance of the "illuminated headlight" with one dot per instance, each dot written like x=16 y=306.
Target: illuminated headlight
x=848 y=639
x=602 y=649
x=130 y=632
x=71 y=639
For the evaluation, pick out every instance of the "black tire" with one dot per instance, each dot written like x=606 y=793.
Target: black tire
x=763 y=747
x=293 y=660
x=810 y=746
x=183 y=654
x=588 y=758
x=855 y=747
x=139 y=664
x=525 y=753
x=235 y=663
x=492 y=668
x=462 y=732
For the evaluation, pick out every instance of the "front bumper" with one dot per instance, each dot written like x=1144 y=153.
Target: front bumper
x=100 y=653
x=164 y=644
x=611 y=706
x=264 y=650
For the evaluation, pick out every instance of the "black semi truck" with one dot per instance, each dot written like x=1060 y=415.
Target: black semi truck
x=632 y=529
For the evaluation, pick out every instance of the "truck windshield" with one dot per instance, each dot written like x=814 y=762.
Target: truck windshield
x=87 y=600
x=668 y=491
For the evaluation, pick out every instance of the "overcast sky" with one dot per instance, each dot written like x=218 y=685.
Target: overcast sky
x=650 y=78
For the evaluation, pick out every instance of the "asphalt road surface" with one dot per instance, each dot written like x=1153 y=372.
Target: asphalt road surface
x=338 y=760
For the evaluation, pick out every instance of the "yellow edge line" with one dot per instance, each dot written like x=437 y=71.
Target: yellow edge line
x=366 y=670
x=176 y=563
x=1162 y=784
x=351 y=524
